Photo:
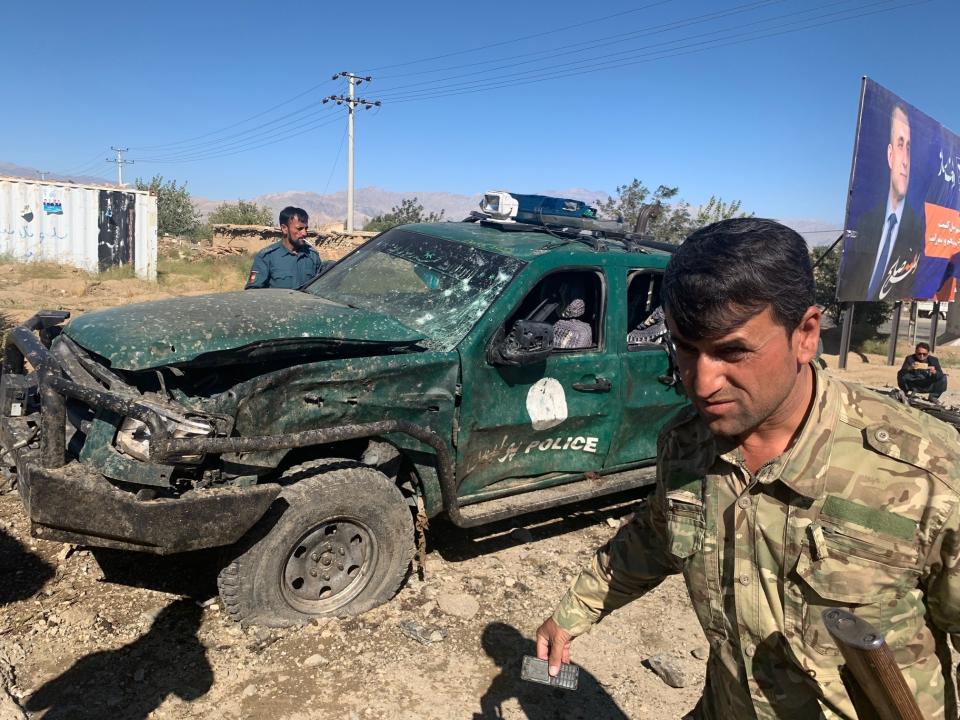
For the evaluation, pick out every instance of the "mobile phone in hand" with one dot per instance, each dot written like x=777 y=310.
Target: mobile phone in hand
x=537 y=670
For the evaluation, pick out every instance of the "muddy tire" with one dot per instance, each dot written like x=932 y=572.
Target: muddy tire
x=338 y=540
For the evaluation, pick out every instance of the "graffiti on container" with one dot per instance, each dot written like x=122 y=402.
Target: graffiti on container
x=26 y=233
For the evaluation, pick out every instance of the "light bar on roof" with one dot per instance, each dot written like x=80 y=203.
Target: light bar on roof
x=500 y=205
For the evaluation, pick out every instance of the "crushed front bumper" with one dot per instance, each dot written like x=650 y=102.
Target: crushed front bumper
x=71 y=501
x=76 y=505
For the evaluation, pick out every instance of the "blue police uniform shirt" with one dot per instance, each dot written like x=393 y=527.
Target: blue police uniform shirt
x=277 y=267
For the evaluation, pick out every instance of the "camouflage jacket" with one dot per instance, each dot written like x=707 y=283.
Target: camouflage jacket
x=861 y=512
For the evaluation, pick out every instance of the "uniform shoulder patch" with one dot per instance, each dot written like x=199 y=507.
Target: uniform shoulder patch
x=921 y=444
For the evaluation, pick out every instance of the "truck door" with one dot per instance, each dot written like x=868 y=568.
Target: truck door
x=647 y=401
x=553 y=417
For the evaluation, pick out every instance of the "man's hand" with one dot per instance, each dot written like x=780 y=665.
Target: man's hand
x=553 y=645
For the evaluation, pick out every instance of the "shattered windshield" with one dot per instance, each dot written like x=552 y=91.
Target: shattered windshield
x=435 y=286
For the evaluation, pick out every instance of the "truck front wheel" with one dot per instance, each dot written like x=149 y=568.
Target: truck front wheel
x=338 y=540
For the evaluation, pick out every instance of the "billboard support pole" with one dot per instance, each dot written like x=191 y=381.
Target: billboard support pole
x=826 y=252
x=912 y=323
x=845 y=335
x=894 y=332
x=934 y=323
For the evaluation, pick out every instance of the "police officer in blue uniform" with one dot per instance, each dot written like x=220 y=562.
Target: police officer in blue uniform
x=289 y=263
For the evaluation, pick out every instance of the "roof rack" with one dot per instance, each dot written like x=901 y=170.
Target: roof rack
x=571 y=220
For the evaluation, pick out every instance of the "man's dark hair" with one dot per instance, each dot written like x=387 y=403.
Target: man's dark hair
x=727 y=272
x=925 y=346
x=290 y=212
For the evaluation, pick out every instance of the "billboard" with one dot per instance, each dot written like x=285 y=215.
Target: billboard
x=902 y=230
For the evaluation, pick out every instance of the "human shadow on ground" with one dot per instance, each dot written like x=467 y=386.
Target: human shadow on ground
x=131 y=682
x=456 y=544
x=506 y=647
x=22 y=573
x=191 y=574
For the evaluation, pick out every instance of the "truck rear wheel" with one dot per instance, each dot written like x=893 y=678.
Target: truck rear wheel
x=338 y=540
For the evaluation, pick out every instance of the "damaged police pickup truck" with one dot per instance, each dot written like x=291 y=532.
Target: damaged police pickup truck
x=477 y=369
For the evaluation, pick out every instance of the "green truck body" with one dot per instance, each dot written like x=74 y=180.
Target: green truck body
x=185 y=423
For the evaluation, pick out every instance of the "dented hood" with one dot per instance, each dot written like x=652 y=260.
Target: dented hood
x=166 y=332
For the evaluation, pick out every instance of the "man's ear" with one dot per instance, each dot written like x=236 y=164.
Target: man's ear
x=890 y=156
x=806 y=336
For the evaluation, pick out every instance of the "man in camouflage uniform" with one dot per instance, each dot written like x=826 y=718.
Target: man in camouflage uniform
x=780 y=492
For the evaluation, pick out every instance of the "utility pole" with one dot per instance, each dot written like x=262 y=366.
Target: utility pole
x=351 y=101
x=120 y=162
x=43 y=174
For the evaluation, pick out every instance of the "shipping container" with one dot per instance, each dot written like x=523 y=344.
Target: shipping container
x=88 y=226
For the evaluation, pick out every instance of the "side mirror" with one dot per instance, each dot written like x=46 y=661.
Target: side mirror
x=527 y=343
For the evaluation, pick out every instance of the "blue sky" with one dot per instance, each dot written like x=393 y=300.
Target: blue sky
x=719 y=97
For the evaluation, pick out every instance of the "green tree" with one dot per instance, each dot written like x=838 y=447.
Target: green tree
x=675 y=221
x=631 y=198
x=408 y=211
x=241 y=213
x=867 y=316
x=176 y=213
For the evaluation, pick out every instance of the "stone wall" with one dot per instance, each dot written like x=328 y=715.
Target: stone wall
x=330 y=240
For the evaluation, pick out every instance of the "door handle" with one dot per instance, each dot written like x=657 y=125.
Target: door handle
x=601 y=385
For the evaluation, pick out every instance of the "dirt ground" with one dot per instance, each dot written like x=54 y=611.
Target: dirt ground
x=131 y=637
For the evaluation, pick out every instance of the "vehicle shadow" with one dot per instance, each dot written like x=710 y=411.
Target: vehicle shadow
x=506 y=647
x=190 y=574
x=131 y=682
x=22 y=573
x=457 y=544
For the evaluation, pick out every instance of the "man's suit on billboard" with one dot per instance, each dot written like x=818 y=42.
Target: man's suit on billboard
x=860 y=256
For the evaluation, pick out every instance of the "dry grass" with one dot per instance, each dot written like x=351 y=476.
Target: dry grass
x=44 y=270
x=28 y=287
x=220 y=274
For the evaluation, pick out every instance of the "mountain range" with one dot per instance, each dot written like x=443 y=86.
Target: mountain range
x=371 y=201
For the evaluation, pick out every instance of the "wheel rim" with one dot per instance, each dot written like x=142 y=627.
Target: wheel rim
x=329 y=566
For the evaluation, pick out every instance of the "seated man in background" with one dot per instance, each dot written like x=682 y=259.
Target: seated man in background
x=921 y=372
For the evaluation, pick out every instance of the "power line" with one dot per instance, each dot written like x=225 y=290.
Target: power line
x=80 y=168
x=580 y=68
x=291 y=125
x=336 y=161
x=242 y=149
x=651 y=31
x=585 y=45
x=230 y=127
x=290 y=119
x=478 y=48
x=226 y=144
x=553 y=70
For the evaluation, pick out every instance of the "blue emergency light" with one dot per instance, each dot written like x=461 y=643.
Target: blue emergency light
x=506 y=206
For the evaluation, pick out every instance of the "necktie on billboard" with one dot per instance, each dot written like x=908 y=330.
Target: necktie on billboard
x=883 y=259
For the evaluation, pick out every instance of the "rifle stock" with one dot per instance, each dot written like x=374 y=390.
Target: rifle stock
x=873 y=668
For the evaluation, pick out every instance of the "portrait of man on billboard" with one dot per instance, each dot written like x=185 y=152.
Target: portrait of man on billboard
x=881 y=263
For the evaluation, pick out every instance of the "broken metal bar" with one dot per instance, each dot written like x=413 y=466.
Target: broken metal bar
x=53 y=423
x=162 y=449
